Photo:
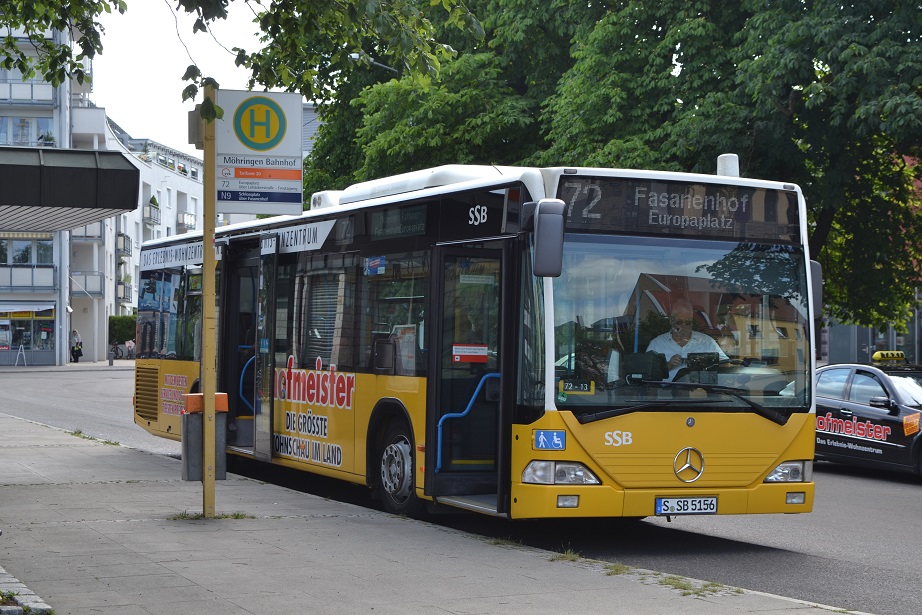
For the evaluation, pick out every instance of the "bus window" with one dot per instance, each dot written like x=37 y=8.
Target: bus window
x=323 y=310
x=392 y=299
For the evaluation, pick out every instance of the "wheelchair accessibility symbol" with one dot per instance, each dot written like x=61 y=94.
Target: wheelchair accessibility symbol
x=550 y=440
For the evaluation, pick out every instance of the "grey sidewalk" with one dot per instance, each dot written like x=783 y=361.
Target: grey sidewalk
x=95 y=528
x=82 y=366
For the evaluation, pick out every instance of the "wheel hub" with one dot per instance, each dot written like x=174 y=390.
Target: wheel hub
x=395 y=469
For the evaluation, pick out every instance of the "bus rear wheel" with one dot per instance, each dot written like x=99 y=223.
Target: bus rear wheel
x=395 y=475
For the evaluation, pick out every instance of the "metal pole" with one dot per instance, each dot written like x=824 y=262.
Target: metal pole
x=209 y=368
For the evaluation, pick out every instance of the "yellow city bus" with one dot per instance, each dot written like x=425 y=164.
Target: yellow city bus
x=476 y=337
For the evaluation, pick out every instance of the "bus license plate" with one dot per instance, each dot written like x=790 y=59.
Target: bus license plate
x=686 y=506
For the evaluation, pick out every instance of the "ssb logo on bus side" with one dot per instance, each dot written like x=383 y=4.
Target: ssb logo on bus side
x=477 y=215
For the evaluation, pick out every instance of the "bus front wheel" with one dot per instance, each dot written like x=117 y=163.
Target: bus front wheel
x=395 y=476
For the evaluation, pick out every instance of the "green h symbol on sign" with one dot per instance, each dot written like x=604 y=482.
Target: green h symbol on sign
x=266 y=124
x=259 y=123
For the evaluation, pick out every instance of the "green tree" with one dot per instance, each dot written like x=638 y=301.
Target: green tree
x=842 y=84
x=335 y=156
x=820 y=93
x=307 y=43
x=470 y=115
x=484 y=107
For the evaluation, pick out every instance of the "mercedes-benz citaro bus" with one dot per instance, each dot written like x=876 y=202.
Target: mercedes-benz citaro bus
x=477 y=337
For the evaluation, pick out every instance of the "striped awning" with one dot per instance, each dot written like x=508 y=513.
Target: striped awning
x=10 y=235
x=25 y=306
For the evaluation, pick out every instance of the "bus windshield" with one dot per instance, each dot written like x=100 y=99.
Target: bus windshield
x=646 y=323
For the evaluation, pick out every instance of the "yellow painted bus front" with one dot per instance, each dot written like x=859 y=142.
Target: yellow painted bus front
x=635 y=456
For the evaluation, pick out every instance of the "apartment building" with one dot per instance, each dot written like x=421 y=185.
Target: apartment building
x=56 y=277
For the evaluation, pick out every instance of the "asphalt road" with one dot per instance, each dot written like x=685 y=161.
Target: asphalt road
x=95 y=402
x=858 y=550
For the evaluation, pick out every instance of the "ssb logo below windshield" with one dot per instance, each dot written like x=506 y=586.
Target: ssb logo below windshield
x=618 y=438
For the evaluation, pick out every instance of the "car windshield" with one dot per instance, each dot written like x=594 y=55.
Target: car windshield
x=735 y=312
x=909 y=387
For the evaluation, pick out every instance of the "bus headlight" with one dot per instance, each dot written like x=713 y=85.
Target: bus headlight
x=558 y=473
x=791 y=472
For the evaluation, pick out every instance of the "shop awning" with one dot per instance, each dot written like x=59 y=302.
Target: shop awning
x=25 y=306
x=44 y=189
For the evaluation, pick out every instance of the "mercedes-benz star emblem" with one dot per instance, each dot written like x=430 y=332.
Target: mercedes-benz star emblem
x=688 y=464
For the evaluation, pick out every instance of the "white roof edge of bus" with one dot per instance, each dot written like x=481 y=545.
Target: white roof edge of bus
x=476 y=176
x=676 y=175
x=509 y=174
x=420 y=180
x=325 y=198
x=193 y=235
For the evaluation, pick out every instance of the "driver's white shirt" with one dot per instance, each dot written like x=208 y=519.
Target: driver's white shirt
x=699 y=342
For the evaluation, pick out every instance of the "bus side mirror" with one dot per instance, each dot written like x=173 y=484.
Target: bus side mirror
x=816 y=279
x=549 y=227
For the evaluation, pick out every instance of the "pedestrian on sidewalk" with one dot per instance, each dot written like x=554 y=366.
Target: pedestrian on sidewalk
x=129 y=346
x=76 y=347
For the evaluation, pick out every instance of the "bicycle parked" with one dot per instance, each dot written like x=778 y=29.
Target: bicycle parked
x=116 y=350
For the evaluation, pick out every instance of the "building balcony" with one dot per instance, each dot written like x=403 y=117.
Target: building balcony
x=88 y=129
x=123 y=245
x=123 y=292
x=27 y=278
x=185 y=222
x=87 y=283
x=26 y=93
x=151 y=215
x=90 y=232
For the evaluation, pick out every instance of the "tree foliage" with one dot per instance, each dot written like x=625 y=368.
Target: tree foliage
x=818 y=92
x=307 y=44
x=821 y=93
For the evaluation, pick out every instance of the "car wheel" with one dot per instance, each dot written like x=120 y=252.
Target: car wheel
x=395 y=475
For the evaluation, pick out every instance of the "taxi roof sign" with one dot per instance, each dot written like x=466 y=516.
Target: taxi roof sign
x=883 y=356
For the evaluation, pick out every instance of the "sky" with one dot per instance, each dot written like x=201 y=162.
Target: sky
x=138 y=77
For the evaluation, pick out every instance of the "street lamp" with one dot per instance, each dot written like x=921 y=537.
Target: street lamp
x=355 y=57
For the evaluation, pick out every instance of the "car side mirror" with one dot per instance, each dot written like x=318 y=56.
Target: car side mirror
x=883 y=402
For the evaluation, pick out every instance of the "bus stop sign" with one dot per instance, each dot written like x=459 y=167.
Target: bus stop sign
x=259 y=160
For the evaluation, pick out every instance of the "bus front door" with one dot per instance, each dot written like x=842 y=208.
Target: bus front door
x=465 y=424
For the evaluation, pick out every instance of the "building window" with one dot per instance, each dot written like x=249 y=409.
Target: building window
x=26 y=252
x=44 y=252
x=25 y=130
x=22 y=252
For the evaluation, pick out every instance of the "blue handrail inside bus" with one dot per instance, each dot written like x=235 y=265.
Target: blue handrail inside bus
x=242 y=374
x=458 y=415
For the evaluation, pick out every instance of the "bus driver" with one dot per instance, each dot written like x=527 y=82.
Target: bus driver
x=680 y=340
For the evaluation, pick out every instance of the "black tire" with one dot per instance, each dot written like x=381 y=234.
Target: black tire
x=394 y=472
x=118 y=352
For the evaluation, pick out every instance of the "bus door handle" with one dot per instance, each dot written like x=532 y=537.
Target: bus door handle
x=458 y=415
x=240 y=392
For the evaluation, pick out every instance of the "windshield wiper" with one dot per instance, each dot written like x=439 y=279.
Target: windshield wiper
x=607 y=414
x=776 y=416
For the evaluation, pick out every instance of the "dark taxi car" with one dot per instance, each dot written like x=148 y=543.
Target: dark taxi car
x=868 y=415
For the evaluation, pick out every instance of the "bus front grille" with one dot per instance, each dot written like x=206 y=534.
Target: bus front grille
x=146 y=387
